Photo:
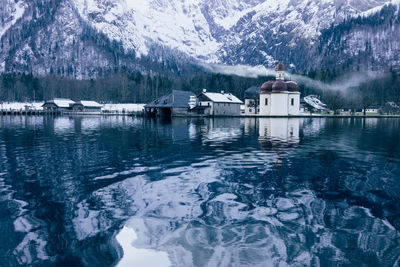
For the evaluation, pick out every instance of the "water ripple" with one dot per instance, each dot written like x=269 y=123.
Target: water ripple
x=204 y=192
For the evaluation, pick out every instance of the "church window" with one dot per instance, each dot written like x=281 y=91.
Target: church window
x=292 y=101
x=266 y=101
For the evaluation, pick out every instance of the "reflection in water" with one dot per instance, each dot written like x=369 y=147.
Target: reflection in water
x=279 y=129
x=206 y=192
x=138 y=257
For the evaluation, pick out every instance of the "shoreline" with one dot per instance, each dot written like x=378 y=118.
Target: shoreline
x=140 y=114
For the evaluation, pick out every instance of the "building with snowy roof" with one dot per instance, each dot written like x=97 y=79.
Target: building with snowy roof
x=221 y=104
x=86 y=106
x=280 y=97
x=177 y=103
x=58 y=104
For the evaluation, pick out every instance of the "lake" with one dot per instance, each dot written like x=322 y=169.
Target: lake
x=104 y=191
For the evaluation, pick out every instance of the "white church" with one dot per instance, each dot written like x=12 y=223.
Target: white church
x=279 y=97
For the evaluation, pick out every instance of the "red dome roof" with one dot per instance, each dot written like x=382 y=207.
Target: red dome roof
x=267 y=87
x=292 y=86
x=279 y=86
x=280 y=67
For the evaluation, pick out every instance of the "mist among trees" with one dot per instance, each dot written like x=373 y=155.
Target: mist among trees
x=135 y=87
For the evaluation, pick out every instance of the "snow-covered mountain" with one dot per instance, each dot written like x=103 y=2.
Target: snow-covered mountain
x=87 y=38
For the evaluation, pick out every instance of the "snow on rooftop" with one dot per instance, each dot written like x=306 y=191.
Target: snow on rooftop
x=62 y=102
x=222 y=97
x=87 y=103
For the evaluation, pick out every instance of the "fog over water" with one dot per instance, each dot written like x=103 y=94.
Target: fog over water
x=100 y=191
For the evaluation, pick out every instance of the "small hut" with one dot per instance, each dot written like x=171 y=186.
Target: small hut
x=86 y=106
x=58 y=104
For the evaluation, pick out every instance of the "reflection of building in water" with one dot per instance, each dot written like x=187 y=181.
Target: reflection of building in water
x=250 y=126
x=279 y=129
x=222 y=129
x=279 y=135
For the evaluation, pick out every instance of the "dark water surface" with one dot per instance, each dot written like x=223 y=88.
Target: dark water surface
x=101 y=191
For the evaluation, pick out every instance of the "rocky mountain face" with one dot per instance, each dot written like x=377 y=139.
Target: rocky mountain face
x=92 y=38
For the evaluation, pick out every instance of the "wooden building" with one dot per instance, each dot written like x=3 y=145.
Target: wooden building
x=177 y=103
x=86 y=106
x=58 y=104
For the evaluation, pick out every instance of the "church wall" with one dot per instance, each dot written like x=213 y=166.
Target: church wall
x=295 y=109
x=279 y=104
x=283 y=129
x=265 y=109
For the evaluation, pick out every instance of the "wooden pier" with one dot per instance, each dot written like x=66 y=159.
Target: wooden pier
x=28 y=112
x=4 y=112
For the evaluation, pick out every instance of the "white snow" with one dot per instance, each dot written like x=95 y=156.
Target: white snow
x=19 y=11
x=175 y=24
x=124 y=107
x=223 y=98
x=21 y=105
x=314 y=102
x=184 y=24
x=87 y=103
x=378 y=8
x=62 y=102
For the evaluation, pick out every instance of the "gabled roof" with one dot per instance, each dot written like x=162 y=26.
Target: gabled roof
x=60 y=102
x=222 y=98
x=85 y=103
x=176 y=99
x=252 y=93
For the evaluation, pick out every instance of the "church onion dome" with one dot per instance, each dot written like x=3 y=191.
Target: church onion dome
x=292 y=86
x=280 y=67
x=267 y=87
x=279 y=86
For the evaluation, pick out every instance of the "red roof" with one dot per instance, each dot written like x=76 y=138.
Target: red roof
x=279 y=86
x=292 y=86
x=267 y=87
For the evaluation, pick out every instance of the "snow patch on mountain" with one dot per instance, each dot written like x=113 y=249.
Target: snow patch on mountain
x=174 y=24
x=17 y=9
x=375 y=10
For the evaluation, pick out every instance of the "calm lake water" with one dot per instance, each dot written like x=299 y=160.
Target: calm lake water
x=101 y=191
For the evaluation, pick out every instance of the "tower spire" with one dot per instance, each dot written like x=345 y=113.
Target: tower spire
x=280 y=71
